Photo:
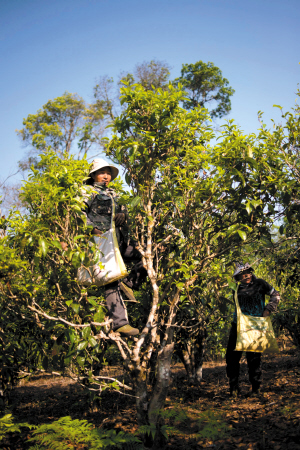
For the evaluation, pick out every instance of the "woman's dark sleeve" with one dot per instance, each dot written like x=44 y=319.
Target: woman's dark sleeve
x=274 y=296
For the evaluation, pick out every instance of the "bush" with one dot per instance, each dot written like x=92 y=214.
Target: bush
x=66 y=433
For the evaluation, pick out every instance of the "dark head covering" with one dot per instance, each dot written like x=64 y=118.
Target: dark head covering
x=241 y=267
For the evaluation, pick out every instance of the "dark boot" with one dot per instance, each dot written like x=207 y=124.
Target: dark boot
x=255 y=389
x=127 y=331
x=234 y=388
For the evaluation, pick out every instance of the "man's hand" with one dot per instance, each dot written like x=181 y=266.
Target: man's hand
x=119 y=219
x=97 y=232
x=266 y=313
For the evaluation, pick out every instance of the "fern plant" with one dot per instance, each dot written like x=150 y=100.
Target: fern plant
x=174 y=417
x=212 y=425
x=8 y=426
x=66 y=434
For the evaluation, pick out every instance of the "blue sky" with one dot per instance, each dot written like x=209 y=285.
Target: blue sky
x=49 y=47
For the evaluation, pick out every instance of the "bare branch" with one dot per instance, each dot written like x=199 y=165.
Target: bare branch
x=60 y=319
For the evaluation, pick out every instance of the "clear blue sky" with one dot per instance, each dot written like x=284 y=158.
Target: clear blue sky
x=49 y=47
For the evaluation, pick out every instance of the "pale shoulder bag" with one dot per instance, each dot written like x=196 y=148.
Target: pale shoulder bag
x=254 y=334
x=110 y=265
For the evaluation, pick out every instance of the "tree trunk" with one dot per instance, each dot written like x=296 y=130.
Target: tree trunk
x=160 y=390
x=158 y=397
x=148 y=412
x=185 y=356
x=192 y=356
x=199 y=352
x=139 y=379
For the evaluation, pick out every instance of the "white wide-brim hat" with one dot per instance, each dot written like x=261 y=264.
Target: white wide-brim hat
x=100 y=164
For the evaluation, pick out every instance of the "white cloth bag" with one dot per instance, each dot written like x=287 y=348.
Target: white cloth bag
x=109 y=255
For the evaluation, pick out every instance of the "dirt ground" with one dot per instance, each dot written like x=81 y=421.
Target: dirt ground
x=271 y=421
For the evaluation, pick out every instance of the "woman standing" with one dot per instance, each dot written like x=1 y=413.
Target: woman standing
x=251 y=297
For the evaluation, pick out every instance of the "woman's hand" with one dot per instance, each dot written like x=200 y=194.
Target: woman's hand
x=64 y=246
x=119 y=219
x=96 y=232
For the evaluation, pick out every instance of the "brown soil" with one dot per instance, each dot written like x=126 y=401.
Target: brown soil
x=271 y=421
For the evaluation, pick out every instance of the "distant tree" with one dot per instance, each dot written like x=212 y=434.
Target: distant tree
x=10 y=197
x=106 y=97
x=66 y=124
x=206 y=87
x=151 y=75
x=203 y=82
x=9 y=194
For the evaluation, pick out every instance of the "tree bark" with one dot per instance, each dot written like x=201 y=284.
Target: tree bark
x=192 y=356
x=162 y=382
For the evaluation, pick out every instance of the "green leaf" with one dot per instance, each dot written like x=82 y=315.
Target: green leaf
x=80 y=360
x=266 y=240
x=92 y=301
x=79 y=236
x=135 y=201
x=56 y=244
x=242 y=235
x=92 y=341
x=240 y=175
x=72 y=335
x=67 y=360
x=86 y=332
x=76 y=308
x=99 y=316
x=43 y=246
x=255 y=203
x=232 y=285
x=82 y=345
x=248 y=207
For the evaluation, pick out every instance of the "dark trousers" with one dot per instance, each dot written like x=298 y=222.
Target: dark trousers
x=114 y=301
x=233 y=363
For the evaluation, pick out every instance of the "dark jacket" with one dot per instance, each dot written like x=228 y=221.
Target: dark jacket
x=98 y=211
x=251 y=298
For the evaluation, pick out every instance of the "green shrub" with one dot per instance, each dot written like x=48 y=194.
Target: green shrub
x=66 y=434
x=7 y=426
x=212 y=425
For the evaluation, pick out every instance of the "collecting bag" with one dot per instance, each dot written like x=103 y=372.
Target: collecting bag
x=254 y=334
x=110 y=265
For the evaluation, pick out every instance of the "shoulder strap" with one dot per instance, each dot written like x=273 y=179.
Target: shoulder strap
x=112 y=213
